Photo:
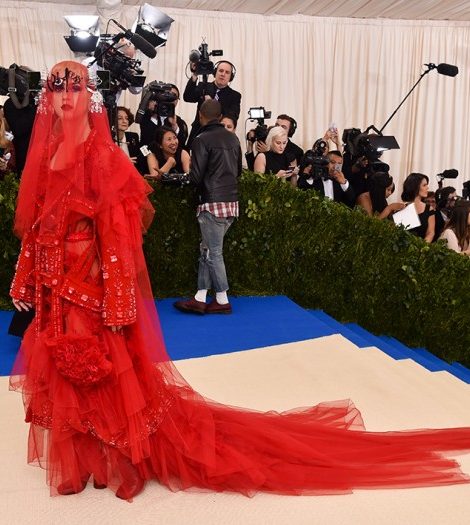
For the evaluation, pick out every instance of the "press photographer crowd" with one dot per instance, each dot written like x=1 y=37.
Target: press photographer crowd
x=345 y=168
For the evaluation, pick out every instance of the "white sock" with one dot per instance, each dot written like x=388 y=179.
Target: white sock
x=201 y=296
x=221 y=297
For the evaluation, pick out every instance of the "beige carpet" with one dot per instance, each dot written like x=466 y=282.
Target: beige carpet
x=390 y=394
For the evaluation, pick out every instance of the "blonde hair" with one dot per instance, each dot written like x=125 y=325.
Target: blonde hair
x=274 y=132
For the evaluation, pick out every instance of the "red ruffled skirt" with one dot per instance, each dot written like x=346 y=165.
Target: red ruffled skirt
x=97 y=405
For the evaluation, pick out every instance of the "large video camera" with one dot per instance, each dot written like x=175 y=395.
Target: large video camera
x=314 y=163
x=261 y=131
x=161 y=93
x=201 y=59
x=175 y=179
x=124 y=72
x=358 y=145
x=18 y=82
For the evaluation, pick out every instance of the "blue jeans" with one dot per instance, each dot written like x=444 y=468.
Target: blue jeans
x=212 y=274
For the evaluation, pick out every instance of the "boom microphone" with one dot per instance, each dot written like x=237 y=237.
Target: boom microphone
x=449 y=174
x=139 y=42
x=447 y=69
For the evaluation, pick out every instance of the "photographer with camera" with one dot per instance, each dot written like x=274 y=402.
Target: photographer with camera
x=256 y=137
x=159 y=112
x=324 y=174
x=276 y=160
x=167 y=155
x=219 y=89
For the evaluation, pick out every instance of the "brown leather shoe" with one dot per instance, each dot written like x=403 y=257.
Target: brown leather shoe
x=191 y=306
x=215 y=308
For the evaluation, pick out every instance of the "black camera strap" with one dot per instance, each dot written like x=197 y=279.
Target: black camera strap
x=12 y=89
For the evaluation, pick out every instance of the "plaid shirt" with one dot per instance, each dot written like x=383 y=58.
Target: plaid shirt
x=219 y=209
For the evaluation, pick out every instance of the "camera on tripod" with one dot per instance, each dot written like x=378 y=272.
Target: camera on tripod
x=261 y=131
x=200 y=58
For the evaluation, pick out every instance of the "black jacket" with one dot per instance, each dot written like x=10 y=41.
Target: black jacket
x=195 y=92
x=347 y=197
x=294 y=151
x=216 y=164
x=21 y=123
x=132 y=140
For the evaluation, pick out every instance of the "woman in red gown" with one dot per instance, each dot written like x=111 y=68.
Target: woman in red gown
x=102 y=397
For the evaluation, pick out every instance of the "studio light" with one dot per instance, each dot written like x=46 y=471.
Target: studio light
x=84 y=33
x=153 y=25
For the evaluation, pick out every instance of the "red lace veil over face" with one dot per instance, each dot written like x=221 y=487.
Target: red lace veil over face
x=70 y=117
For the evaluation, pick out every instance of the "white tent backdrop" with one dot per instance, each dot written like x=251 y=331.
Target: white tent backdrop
x=352 y=72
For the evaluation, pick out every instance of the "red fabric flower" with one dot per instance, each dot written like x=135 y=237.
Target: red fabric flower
x=82 y=360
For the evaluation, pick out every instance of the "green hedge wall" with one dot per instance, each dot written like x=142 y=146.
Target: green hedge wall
x=317 y=252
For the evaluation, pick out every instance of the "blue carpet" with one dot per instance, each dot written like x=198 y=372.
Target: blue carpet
x=256 y=322
x=342 y=329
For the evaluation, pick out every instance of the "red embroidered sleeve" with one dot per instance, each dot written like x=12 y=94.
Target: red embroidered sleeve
x=23 y=284
x=119 y=304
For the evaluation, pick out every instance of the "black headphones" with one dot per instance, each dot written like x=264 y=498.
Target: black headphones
x=293 y=124
x=234 y=69
x=293 y=127
x=442 y=197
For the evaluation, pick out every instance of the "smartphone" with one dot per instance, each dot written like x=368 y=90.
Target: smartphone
x=338 y=167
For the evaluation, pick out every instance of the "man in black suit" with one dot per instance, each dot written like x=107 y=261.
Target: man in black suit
x=334 y=185
x=219 y=90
